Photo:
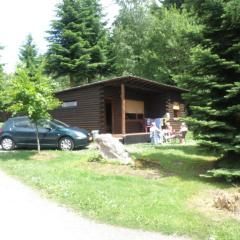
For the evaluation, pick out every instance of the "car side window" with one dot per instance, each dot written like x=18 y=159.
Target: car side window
x=46 y=124
x=23 y=123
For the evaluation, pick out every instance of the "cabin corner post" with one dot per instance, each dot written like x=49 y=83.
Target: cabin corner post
x=123 y=108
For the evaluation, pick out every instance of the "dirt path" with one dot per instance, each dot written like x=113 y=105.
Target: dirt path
x=24 y=215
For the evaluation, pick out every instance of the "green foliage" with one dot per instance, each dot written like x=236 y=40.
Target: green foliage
x=230 y=175
x=213 y=78
x=171 y=3
x=31 y=95
x=78 y=42
x=150 y=41
x=29 y=55
x=168 y=50
x=129 y=36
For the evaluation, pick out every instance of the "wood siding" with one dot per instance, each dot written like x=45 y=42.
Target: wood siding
x=175 y=122
x=156 y=106
x=88 y=113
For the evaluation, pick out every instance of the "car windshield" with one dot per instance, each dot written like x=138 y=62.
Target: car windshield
x=59 y=123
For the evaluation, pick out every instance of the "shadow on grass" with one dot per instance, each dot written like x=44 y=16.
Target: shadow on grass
x=17 y=155
x=188 y=149
x=185 y=161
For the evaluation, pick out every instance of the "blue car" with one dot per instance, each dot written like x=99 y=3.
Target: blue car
x=21 y=132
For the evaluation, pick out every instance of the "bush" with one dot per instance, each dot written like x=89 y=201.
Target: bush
x=230 y=175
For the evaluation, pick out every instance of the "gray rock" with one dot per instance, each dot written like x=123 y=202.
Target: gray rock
x=112 y=149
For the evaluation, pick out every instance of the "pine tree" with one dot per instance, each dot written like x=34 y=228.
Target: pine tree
x=78 y=42
x=28 y=55
x=214 y=77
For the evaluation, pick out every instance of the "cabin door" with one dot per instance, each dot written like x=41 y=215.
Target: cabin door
x=109 y=113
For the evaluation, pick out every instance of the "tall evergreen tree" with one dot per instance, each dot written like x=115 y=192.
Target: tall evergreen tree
x=214 y=77
x=29 y=55
x=78 y=42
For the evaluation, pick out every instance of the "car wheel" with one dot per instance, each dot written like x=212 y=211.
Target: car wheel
x=7 y=144
x=66 y=144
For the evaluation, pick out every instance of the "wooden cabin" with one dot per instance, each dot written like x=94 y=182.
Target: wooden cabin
x=120 y=106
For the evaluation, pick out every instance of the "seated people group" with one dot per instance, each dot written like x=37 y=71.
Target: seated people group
x=165 y=132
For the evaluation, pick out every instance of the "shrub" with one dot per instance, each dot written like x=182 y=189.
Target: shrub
x=229 y=175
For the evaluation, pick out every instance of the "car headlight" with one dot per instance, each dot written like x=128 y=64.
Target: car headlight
x=80 y=135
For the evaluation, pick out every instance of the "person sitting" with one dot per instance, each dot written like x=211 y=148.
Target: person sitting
x=155 y=134
x=168 y=132
x=182 y=132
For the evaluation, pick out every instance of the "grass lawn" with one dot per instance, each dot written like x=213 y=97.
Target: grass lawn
x=156 y=196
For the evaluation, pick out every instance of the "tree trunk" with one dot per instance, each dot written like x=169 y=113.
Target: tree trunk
x=37 y=136
x=72 y=80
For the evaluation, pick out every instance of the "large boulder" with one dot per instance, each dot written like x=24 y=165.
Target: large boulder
x=112 y=149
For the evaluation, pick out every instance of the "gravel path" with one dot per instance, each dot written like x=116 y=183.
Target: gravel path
x=25 y=215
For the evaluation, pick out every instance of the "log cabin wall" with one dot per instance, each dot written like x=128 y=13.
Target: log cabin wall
x=156 y=105
x=173 y=98
x=88 y=113
x=113 y=94
x=4 y=116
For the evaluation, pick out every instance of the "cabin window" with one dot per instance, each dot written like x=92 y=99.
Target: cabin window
x=69 y=104
x=133 y=106
x=131 y=116
x=134 y=116
x=176 y=110
x=140 y=116
x=134 y=109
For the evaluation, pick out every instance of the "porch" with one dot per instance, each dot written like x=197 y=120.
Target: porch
x=128 y=104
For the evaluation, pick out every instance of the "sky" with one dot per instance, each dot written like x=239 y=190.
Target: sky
x=18 y=18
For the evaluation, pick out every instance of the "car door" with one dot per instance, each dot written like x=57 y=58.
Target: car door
x=48 y=134
x=24 y=132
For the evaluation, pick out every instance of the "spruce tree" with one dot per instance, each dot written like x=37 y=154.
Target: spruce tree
x=28 y=55
x=214 y=77
x=77 y=42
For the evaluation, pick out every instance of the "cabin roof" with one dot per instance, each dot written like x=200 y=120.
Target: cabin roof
x=129 y=80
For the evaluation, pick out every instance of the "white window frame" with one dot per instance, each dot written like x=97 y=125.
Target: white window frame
x=69 y=104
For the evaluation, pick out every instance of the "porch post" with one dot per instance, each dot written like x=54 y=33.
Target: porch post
x=123 y=107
